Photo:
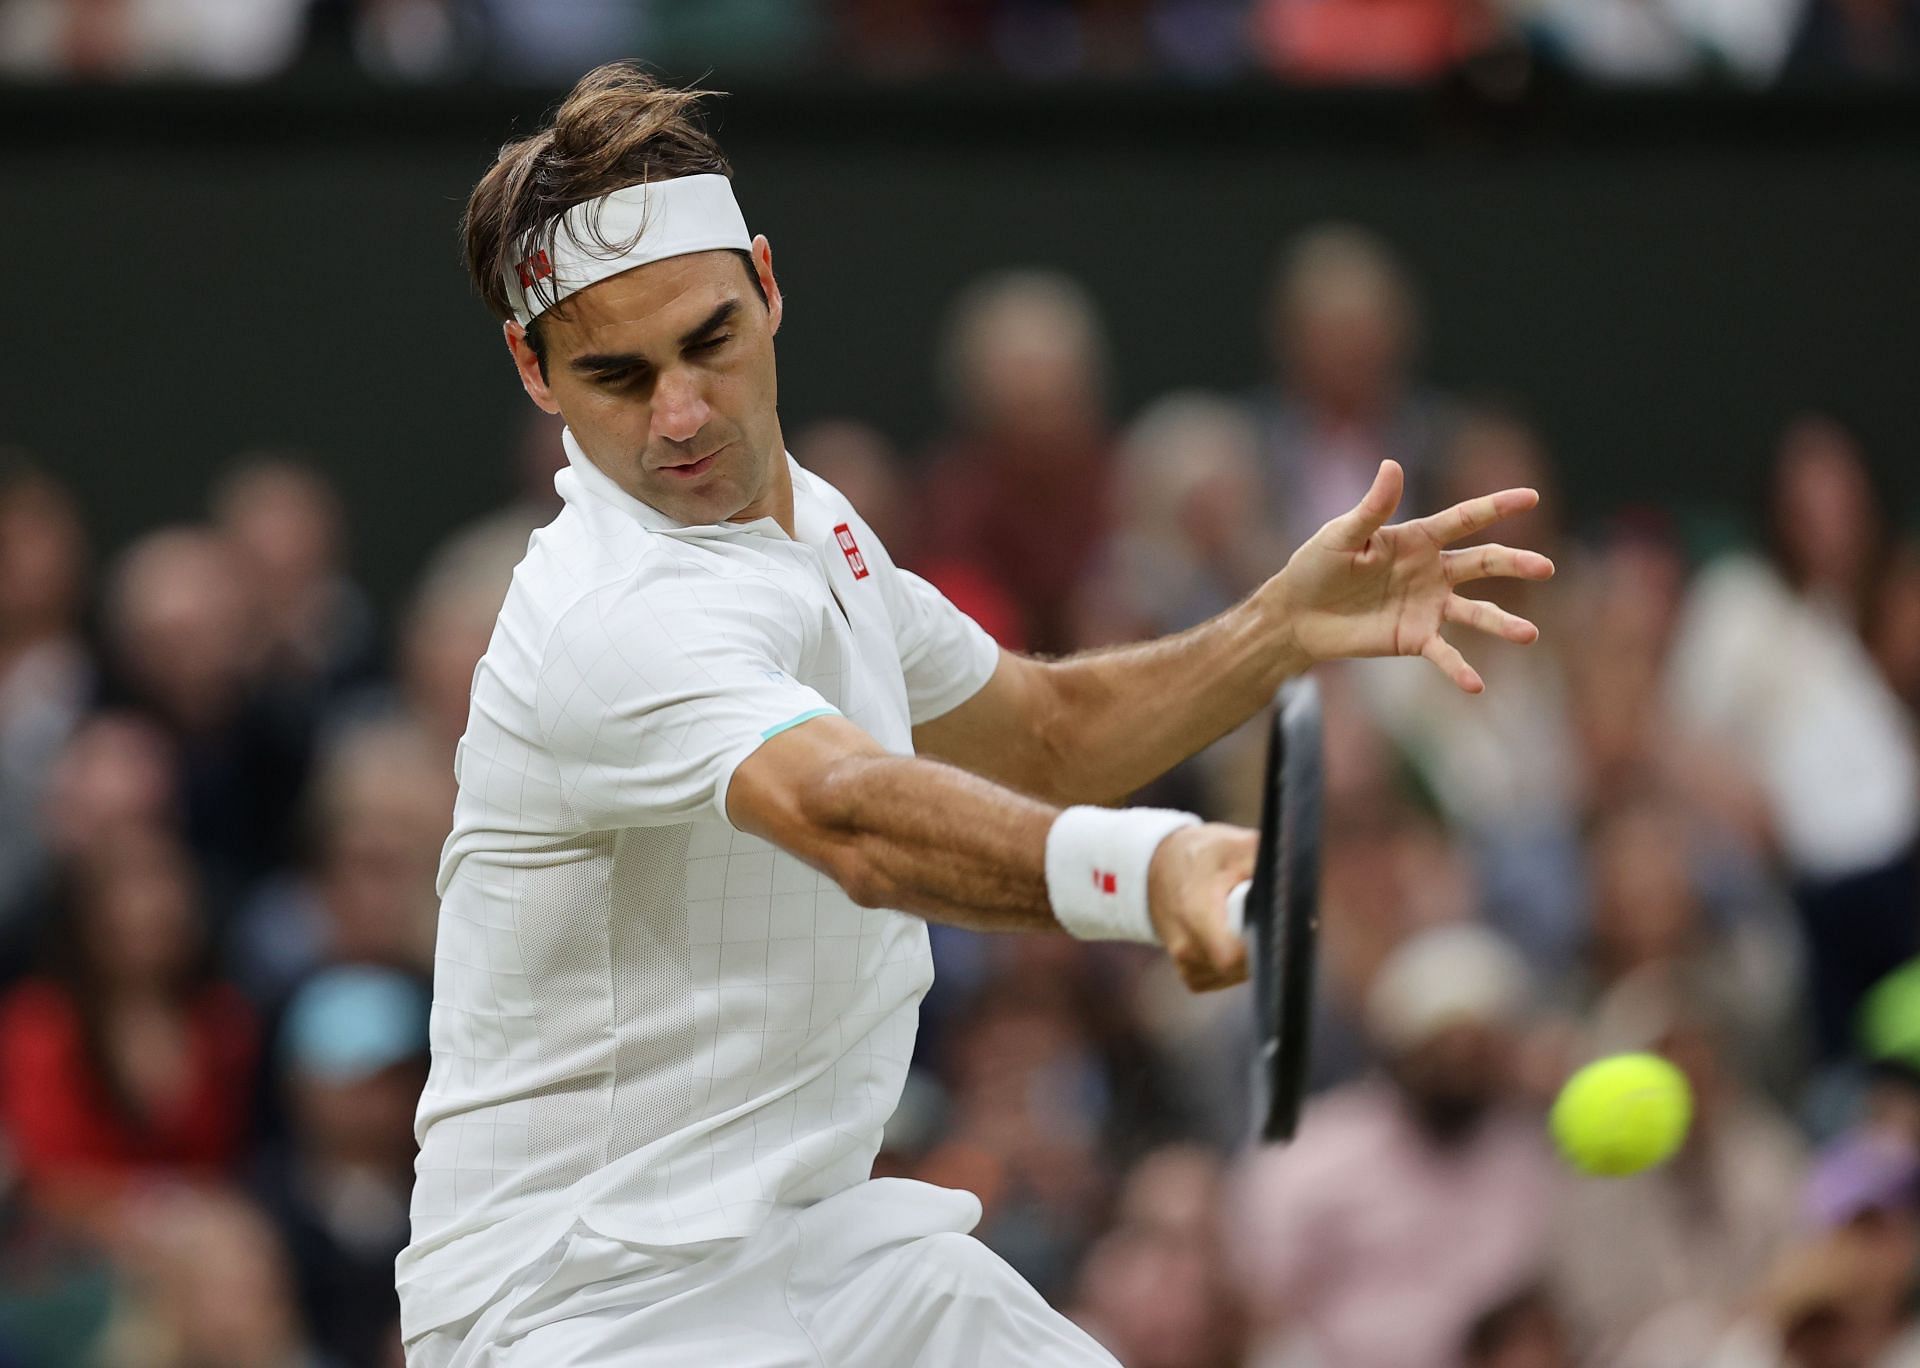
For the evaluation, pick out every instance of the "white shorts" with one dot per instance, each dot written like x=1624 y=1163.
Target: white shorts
x=882 y=1275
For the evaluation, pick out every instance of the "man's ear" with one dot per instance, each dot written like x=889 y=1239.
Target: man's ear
x=528 y=365
x=763 y=268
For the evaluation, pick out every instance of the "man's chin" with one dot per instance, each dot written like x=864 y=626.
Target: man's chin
x=714 y=501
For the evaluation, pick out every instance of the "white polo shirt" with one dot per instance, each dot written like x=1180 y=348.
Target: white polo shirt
x=644 y=1019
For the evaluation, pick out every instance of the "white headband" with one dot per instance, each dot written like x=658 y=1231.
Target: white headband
x=655 y=221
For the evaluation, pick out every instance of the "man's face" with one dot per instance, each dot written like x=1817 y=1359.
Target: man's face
x=665 y=374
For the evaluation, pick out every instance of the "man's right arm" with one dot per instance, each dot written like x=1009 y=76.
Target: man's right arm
x=925 y=837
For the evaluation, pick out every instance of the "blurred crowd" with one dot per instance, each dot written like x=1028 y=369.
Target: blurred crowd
x=1684 y=821
x=1747 y=42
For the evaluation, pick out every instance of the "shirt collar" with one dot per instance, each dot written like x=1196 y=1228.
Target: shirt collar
x=584 y=484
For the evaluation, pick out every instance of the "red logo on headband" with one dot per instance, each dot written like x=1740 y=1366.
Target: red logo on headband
x=535 y=267
x=844 y=535
x=1105 y=882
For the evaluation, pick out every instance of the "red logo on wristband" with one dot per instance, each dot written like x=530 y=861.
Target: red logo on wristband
x=1104 y=882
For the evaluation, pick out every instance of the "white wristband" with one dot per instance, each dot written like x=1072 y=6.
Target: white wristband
x=1097 y=862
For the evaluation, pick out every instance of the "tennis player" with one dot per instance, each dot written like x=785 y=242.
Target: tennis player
x=723 y=763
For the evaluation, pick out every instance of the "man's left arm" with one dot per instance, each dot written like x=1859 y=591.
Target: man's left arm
x=1094 y=727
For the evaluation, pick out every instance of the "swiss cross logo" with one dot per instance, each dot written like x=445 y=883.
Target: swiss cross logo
x=844 y=535
x=1105 y=882
x=535 y=267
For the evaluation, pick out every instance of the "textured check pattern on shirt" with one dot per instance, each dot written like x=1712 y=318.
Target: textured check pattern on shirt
x=645 y=1019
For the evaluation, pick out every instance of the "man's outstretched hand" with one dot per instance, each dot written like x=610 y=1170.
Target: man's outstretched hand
x=1361 y=588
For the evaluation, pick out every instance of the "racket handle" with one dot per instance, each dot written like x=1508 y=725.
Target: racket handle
x=1237 y=907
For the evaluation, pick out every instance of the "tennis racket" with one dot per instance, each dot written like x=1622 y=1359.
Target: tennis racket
x=1278 y=911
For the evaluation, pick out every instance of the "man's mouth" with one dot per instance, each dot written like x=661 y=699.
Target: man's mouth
x=693 y=469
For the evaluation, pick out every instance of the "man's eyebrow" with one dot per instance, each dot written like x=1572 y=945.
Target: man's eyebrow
x=603 y=363
x=713 y=321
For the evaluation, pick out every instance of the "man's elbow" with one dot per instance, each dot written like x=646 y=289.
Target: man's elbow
x=826 y=811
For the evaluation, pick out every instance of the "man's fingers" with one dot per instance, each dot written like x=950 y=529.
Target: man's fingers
x=1464 y=519
x=1350 y=531
x=1494 y=562
x=1494 y=621
x=1222 y=970
x=1452 y=664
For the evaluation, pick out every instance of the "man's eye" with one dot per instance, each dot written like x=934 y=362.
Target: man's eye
x=712 y=343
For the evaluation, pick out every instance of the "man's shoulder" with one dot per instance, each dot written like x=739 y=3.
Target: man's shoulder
x=649 y=595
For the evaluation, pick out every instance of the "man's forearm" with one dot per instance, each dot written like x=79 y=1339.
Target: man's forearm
x=927 y=838
x=1123 y=717
x=898 y=831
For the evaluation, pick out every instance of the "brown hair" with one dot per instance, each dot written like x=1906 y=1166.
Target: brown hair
x=619 y=126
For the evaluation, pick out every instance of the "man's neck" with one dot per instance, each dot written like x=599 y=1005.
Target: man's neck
x=776 y=501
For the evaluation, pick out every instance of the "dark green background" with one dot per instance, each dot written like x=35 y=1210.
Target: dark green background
x=1661 y=279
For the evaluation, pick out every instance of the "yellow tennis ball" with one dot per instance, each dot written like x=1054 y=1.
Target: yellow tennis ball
x=1621 y=1115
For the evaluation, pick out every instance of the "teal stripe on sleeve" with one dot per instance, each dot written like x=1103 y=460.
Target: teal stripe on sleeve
x=791 y=722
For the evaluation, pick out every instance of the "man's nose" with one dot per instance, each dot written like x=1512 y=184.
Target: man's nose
x=679 y=409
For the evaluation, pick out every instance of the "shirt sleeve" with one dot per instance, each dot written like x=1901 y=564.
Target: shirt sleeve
x=652 y=695
x=946 y=656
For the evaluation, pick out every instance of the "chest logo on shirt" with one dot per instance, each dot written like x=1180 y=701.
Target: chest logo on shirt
x=844 y=535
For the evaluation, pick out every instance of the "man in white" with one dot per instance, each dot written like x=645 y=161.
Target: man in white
x=724 y=759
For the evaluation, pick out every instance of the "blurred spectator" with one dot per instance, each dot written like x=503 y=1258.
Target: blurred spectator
x=1664 y=40
x=1388 y=872
x=1344 y=327
x=401 y=39
x=1192 y=536
x=128 y=1059
x=1894 y=625
x=488 y=548
x=1865 y=1194
x=1824 y=1305
x=1191 y=539
x=1423 y=1191
x=1875 y=40
x=382 y=805
x=221 y=40
x=1523 y=1331
x=1889 y=1037
x=115 y=772
x=1769 y=669
x=442 y=637
x=1625 y=591
x=315 y=626
x=182 y=622
x=353 y=1048
x=1648 y=915
x=1031 y=1089
x=209 y=1288
x=56 y=1290
x=1701 y=1229
x=1153 y=1289
x=1023 y=487
x=1327 y=41
x=46 y=676
x=1503 y=765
